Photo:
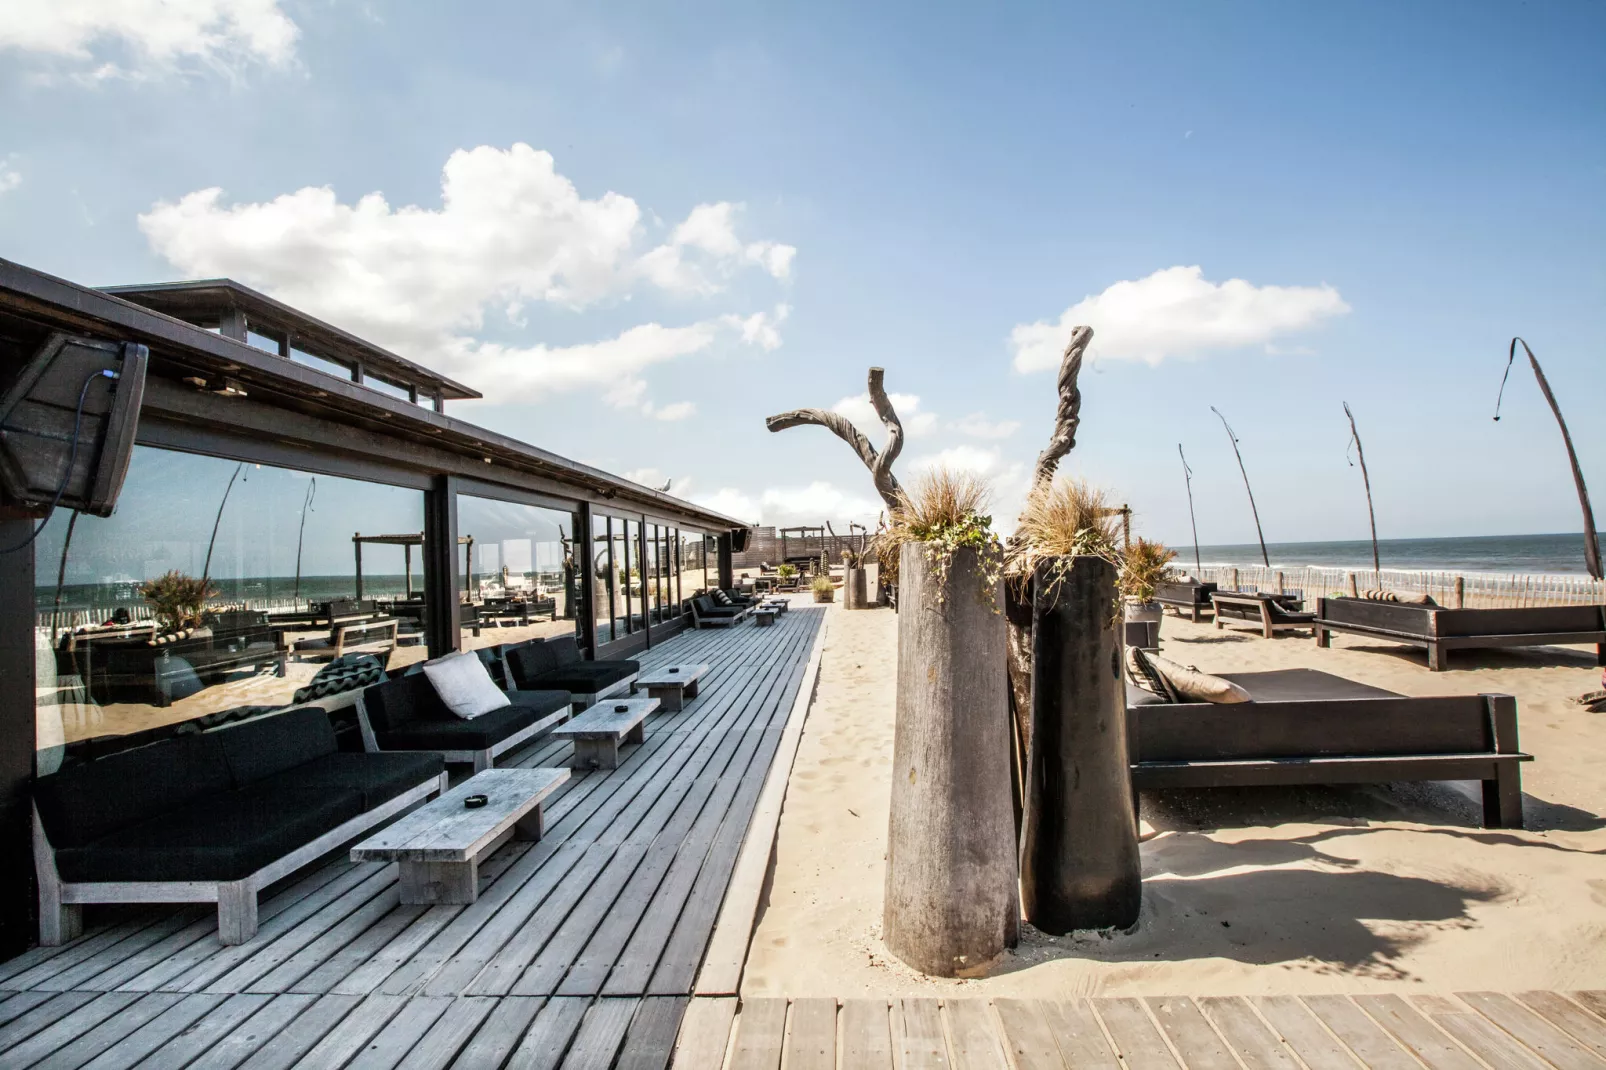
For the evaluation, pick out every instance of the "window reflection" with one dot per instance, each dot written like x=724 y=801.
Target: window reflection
x=604 y=576
x=518 y=570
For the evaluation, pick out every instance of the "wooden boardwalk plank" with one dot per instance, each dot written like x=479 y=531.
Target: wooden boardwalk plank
x=500 y=1033
x=451 y=1031
x=352 y=1033
x=651 y=1039
x=1360 y=1034
x=705 y=1033
x=19 y=1003
x=184 y=1012
x=67 y=1028
x=1423 y=1039
x=1027 y=1036
x=600 y=1035
x=974 y=1042
x=1300 y=1030
x=1591 y=999
x=87 y=1044
x=1528 y=1027
x=865 y=1026
x=811 y=1035
x=46 y=1014
x=1199 y=1045
x=1246 y=1035
x=918 y=1036
x=760 y=1033
x=386 y=1048
x=548 y=1037
x=1137 y=1040
x=1563 y=1013
x=218 y=1023
x=1076 y=1031
x=1487 y=1041
x=239 y=1045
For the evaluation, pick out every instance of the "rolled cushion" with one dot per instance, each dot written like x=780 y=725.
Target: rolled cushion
x=721 y=597
x=1142 y=674
x=464 y=685
x=1192 y=685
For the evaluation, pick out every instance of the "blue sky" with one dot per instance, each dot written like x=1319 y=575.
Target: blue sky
x=1399 y=188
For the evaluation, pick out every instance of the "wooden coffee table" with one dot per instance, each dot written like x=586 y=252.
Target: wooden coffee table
x=598 y=731
x=439 y=846
x=672 y=685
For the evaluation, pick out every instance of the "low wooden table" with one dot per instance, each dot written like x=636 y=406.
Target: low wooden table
x=764 y=617
x=598 y=731
x=780 y=605
x=438 y=847
x=672 y=685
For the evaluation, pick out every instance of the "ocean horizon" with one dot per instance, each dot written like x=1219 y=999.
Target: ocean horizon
x=1553 y=554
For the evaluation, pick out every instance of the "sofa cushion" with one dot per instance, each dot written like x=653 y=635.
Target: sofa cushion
x=482 y=733
x=588 y=677
x=566 y=649
x=464 y=685
x=403 y=701
x=721 y=597
x=84 y=803
x=345 y=673
x=380 y=777
x=269 y=745
x=527 y=661
x=707 y=608
x=223 y=838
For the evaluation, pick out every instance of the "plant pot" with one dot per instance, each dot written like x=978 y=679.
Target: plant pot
x=1144 y=611
x=825 y=596
x=951 y=904
x=855 y=589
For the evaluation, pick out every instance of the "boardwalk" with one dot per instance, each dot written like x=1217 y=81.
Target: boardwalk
x=1470 y=1031
x=582 y=948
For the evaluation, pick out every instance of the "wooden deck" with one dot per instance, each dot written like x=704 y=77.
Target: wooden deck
x=1469 y=1031
x=581 y=951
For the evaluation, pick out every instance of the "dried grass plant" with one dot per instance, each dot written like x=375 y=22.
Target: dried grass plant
x=945 y=510
x=1065 y=519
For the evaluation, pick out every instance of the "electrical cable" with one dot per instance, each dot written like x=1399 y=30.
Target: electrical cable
x=72 y=458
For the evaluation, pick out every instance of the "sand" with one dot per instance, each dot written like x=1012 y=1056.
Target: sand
x=1246 y=891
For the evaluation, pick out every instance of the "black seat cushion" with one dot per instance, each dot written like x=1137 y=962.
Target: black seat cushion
x=588 y=677
x=707 y=608
x=269 y=745
x=225 y=837
x=399 y=703
x=84 y=803
x=380 y=777
x=480 y=733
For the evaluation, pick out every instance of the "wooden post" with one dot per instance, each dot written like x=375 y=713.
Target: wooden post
x=1460 y=592
x=1233 y=578
x=1079 y=846
x=1349 y=581
x=951 y=888
x=855 y=589
x=1279 y=583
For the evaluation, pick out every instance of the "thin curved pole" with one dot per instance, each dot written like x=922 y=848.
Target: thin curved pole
x=1264 y=556
x=1591 y=538
x=1187 y=476
x=206 y=570
x=312 y=489
x=1377 y=568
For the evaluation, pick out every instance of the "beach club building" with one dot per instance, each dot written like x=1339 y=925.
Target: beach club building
x=316 y=491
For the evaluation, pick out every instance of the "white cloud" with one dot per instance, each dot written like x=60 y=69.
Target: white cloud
x=859 y=410
x=1176 y=312
x=976 y=425
x=149 y=36
x=782 y=506
x=979 y=460
x=510 y=230
x=10 y=177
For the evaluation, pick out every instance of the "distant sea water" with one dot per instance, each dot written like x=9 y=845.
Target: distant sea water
x=1552 y=554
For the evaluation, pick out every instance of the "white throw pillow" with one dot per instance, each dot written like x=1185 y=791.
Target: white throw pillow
x=464 y=686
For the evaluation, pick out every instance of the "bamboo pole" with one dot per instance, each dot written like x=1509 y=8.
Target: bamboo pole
x=1187 y=477
x=1233 y=438
x=1366 y=479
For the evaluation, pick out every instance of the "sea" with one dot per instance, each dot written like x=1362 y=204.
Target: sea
x=1549 y=554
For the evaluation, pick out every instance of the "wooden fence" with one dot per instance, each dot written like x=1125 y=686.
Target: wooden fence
x=1471 y=590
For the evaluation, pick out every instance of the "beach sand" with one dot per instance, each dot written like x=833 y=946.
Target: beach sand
x=1246 y=891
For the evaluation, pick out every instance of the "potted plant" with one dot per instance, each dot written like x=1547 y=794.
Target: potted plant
x=1143 y=570
x=177 y=600
x=824 y=590
x=855 y=586
x=786 y=575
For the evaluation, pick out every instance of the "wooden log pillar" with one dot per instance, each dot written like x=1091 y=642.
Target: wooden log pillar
x=1232 y=580
x=855 y=589
x=1280 y=587
x=1460 y=592
x=1079 y=845
x=1349 y=581
x=951 y=892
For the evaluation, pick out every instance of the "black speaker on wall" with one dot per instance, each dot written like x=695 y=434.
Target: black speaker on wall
x=67 y=423
x=739 y=539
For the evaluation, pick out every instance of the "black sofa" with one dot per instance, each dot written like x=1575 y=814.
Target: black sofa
x=210 y=817
x=1302 y=726
x=708 y=613
x=406 y=714
x=558 y=663
x=1441 y=630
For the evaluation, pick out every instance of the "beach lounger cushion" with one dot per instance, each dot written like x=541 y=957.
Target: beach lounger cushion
x=464 y=685
x=227 y=838
x=1190 y=684
x=707 y=607
x=1144 y=677
x=1404 y=598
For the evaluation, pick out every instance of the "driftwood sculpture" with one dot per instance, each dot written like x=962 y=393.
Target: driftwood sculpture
x=1591 y=539
x=1371 y=514
x=879 y=463
x=1233 y=438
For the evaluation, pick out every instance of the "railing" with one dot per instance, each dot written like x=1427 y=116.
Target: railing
x=1470 y=590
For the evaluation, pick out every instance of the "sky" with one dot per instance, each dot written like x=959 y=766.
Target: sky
x=640 y=228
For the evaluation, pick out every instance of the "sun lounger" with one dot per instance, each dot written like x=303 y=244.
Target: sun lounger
x=1307 y=727
x=1269 y=610
x=1441 y=630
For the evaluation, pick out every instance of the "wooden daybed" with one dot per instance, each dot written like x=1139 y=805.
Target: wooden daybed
x=1307 y=727
x=1270 y=611
x=1190 y=597
x=1441 y=630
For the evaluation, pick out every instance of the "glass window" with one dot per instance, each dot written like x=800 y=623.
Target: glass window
x=518 y=569
x=385 y=386
x=329 y=367
x=262 y=341
x=605 y=577
x=216 y=588
x=630 y=577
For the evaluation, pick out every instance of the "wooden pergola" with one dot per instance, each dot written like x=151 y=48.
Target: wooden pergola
x=407 y=542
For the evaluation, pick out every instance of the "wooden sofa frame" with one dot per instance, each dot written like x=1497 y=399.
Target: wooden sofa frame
x=1270 y=618
x=700 y=621
x=1440 y=630
x=481 y=760
x=61 y=902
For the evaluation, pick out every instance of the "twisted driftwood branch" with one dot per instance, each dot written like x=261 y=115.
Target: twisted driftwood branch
x=879 y=463
x=1069 y=414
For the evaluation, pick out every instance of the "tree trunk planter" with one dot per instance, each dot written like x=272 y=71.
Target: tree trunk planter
x=855 y=589
x=951 y=895
x=825 y=596
x=1079 y=842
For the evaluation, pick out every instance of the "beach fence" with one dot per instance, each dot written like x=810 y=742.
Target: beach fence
x=764 y=544
x=1465 y=590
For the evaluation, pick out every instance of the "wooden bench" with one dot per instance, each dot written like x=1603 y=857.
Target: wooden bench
x=1262 y=607
x=439 y=846
x=1189 y=598
x=764 y=617
x=671 y=685
x=598 y=732
x=1307 y=727
x=1441 y=630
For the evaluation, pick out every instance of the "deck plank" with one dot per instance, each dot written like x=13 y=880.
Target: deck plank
x=1246 y=1035
x=1566 y=1015
x=387 y=1047
x=240 y=1045
x=499 y=1033
x=200 y=1037
x=760 y=1034
x=600 y=1035
x=548 y=1037
x=974 y=1040
x=352 y=1033
x=67 y=1028
x=1076 y=1031
x=1423 y=1039
x=705 y=1034
x=866 y=1031
x=1487 y=1041
x=1528 y=1027
x=811 y=1035
x=115 y=1028
x=1194 y=1039
x=918 y=1035
x=651 y=1038
x=1136 y=1039
x=437 y=1048
x=1371 y=1045
x=1300 y=1030
x=1027 y=1036
x=173 y=1020
x=1591 y=999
